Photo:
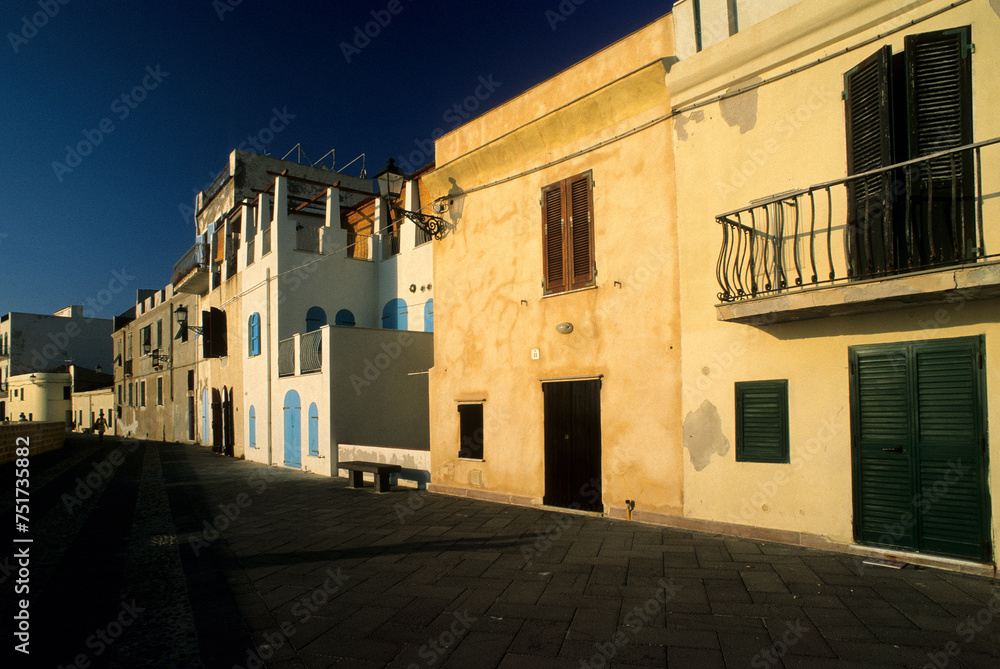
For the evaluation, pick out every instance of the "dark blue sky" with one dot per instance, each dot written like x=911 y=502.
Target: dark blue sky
x=200 y=78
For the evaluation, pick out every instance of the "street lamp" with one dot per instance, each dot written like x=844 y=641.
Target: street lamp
x=390 y=185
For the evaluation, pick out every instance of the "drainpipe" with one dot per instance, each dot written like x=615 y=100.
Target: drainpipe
x=267 y=347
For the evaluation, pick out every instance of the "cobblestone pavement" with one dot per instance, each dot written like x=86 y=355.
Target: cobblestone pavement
x=164 y=555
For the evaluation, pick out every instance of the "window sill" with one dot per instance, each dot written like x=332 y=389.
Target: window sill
x=568 y=292
x=472 y=459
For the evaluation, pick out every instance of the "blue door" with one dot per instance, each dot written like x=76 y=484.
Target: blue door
x=429 y=316
x=253 y=428
x=293 y=429
x=206 y=423
x=313 y=429
x=394 y=315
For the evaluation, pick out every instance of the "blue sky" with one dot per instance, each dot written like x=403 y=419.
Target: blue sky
x=150 y=98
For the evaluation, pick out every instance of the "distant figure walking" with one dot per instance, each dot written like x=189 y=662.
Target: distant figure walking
x=101 y=424
x=23 y=418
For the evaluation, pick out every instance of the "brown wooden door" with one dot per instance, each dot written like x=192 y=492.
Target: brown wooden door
x=573 y=444
x=217 y=435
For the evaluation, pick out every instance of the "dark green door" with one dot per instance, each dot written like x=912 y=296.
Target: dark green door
x=919 y=448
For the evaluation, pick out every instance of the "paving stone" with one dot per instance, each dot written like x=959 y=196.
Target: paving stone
x=703 y=658
x=592 y=597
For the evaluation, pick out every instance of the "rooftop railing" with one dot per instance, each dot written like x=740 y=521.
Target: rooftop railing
x=915 y=215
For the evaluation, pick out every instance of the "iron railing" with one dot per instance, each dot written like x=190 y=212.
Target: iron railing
x=307 y=238
x=194 y=259
x=915 y=215
x=311 y=352
x=286 y=357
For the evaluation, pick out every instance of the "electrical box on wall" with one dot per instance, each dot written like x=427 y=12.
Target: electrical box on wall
x=535 y=354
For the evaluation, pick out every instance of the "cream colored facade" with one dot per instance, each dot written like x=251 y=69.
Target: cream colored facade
x=680 y=145
x=89 y=405
x=496 y=339
x=155 y=369
x=761 y=113
x=41 y=397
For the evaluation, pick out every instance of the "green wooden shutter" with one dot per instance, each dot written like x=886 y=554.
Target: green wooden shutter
x=762 y=421
x=883 y=468
x=868 y=108
x=939 y=94
x=948 y=440
x=918 y=416
x=939 y=117
x=581 y=244
x=553 y=240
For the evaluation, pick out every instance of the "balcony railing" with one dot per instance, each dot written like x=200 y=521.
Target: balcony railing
x=915 y=215
x=307 y=238
x=286 y=357
x=195 y=260
x=311 y=352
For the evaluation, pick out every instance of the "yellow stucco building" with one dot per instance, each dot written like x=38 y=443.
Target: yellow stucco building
x=557 y=341
x=736 y=272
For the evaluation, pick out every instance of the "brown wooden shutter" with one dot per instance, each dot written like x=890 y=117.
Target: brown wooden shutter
x=581 y=243
x=220 y=244
x=553 y=240
x=867 y=98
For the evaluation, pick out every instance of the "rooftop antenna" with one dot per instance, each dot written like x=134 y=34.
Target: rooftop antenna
x=364 y=172
x=331 y=152
x=300 y=153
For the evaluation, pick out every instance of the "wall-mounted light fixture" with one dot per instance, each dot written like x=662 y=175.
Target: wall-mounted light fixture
x=390 y=185
x=34 y=379
x=564 y=328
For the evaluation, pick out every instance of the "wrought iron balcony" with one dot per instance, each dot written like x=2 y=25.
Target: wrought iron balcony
x=311 y=352
x=191 y=272
x=286 y=357
x=914 y=216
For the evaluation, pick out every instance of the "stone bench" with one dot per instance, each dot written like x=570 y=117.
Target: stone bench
x=381 y=471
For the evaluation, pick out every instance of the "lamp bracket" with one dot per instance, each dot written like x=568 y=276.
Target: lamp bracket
x=432 y=225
